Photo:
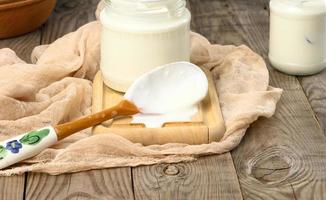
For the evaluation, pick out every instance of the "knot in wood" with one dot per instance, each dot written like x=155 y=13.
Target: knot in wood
x=270 y=169
x=171 y=170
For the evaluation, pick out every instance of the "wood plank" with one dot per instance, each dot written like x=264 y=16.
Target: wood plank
x=211 y=177
x=96 y=184
x=68 y=16
x=315 y=89
x=281 y=157
x=23 y=45
x=12 y=187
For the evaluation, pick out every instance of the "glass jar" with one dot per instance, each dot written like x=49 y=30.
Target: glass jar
x=139 y=35
x=298 y=36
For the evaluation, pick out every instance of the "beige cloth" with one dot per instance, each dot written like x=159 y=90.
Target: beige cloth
x=57 y=88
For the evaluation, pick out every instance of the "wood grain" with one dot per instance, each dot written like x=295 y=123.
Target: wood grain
x=68 y=16
x=211 y=177
x=282 y=157
x=96 y=184
x=315 y=87
x=12 y=187
x=23 y=45
x=206 y=126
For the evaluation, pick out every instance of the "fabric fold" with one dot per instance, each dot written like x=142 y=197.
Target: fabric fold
x=57 y=88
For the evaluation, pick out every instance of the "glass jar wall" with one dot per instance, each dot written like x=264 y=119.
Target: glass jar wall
x=139 y=35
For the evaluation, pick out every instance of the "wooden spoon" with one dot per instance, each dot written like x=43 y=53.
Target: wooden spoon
x=30 y=144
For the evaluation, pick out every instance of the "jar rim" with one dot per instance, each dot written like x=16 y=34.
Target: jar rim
x=299 y=7
x=144 y=8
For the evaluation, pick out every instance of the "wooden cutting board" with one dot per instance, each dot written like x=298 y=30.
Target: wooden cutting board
x=205 y=127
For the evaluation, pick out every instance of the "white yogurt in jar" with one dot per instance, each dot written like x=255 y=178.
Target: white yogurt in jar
x=298 y=36
x=138 y=36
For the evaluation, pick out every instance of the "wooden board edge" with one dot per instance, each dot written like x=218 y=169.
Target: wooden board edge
x=97 y=104
x=188 y=135
x=213 y=113
x=212 y=118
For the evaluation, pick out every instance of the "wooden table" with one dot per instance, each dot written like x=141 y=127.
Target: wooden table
x=283 y=157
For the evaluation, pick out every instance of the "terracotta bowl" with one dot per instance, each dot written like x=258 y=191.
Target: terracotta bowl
x=21 y=16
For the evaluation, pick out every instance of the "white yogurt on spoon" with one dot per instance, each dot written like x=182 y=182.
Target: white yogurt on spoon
x=169 y=93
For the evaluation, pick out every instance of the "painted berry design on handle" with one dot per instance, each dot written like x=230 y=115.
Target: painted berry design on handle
x=3 y=152
x=14 y=146
x=34 y=137
x=31 y=138
x=26 y=145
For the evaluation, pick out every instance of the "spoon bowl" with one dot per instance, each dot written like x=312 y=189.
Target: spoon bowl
x=169 y=88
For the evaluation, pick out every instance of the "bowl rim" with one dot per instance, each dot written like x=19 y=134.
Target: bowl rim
x=2 y=2
x=6 y=5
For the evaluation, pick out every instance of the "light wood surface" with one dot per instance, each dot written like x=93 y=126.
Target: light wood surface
x=279 y=158
x=206 y=126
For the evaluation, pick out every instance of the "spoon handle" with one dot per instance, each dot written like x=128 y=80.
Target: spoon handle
x=26 y=145
x=32 y=143
x=122 y=109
